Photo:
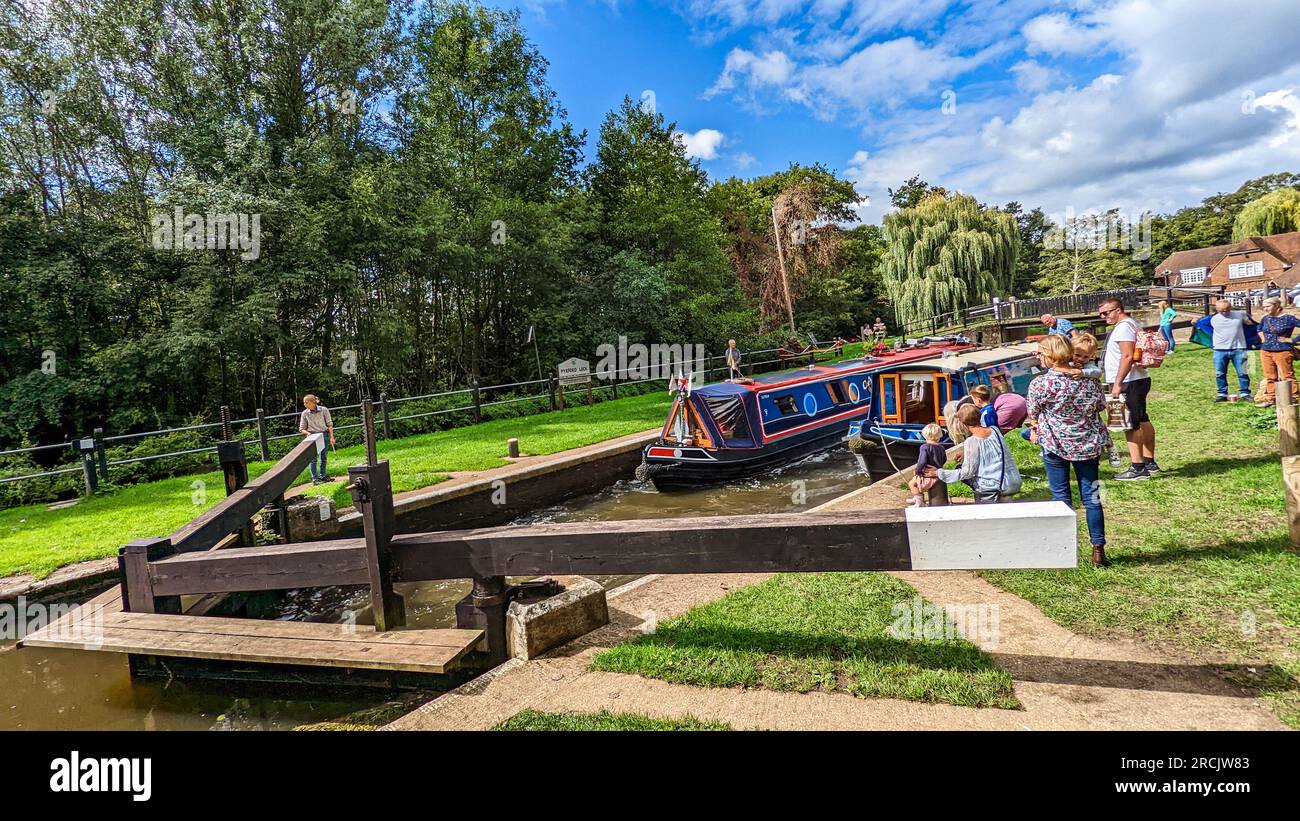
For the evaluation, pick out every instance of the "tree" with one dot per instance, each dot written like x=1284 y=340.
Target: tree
x=911 y=193
x=1033 y=227
x=946 y=253
x=807 y=205
x=1277 y=212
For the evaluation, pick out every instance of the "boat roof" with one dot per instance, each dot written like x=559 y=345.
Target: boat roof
x=940 y=355
x=980 y=357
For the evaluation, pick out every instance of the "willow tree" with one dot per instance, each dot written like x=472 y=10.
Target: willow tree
x=1274 y=213
x=946 y=253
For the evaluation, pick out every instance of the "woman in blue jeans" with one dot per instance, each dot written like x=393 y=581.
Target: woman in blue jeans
x=1066 y=412
x=1167 y=317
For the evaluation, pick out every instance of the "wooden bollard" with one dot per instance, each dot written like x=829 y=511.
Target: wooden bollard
x=1291 y=481
x=512 y=448
x=1288 y=430
x=1288 y=424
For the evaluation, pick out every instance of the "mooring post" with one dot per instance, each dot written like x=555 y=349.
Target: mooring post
x=937 y=494
x=137 y=584
x=262 y=441
x=101 y=452
x=512 y=448
x=371 y=487
x=85 y=449
x=485 y=609
x=550 y=389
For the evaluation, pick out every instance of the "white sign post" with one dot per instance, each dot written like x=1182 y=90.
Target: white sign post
x=574 y=371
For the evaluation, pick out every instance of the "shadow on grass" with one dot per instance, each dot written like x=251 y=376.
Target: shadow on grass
x=1228 y=549
x=1201 y=679
x=1217 y=466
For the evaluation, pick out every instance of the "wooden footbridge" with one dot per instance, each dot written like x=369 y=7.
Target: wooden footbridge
x=168 y=586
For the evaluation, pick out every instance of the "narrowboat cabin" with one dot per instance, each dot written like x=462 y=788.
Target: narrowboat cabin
x=731 y=430
x=914 y=394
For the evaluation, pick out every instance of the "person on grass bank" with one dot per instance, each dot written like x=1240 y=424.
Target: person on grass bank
x=1129 y=381
x=1066 y=408
x=987 y=465
x=316 y=418
x=1167 y=317
x=1229 y=343
x=1275 y=331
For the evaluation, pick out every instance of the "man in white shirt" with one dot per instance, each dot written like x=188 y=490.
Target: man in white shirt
x=1229 y=342
x=1130 y=381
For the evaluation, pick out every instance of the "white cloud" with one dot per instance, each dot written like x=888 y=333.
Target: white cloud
x=1033 y=76
x=702 y=144
x=1058 y=34
x=1091 y=104
x=744 y=160
x=772 y=68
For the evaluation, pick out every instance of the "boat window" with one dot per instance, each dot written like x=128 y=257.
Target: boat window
x=918 y=398
x=785 y=404
x=837 y=392
x=729 y=414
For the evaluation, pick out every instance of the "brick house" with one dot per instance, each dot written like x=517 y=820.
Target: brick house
x=1253 y=263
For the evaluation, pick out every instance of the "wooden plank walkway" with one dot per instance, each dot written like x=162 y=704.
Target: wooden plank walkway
x=266 y=642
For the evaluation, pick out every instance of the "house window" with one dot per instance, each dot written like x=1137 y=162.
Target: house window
x=1192 y=276
x=1242 y=270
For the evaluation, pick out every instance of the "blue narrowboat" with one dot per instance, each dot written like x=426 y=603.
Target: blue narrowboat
x=916 y=395
x=730 y=430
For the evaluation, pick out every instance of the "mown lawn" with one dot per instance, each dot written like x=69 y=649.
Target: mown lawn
x=604 y=720
x=1199 y=552
x=830 y=632
x=36 y=540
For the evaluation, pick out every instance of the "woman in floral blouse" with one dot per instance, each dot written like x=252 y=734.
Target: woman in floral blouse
x=1066 y=412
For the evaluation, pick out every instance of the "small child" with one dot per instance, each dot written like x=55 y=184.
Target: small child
x=1085 y=356
x=1088 y=366
x=984 y=401
x=932 y=455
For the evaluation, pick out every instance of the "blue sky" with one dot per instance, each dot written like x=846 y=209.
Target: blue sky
x=1072 y=106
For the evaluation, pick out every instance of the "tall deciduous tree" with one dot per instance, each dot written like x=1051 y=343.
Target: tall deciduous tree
x=1277 y=212
x=947 y=253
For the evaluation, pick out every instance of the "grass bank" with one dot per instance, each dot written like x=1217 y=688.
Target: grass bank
x=1199 y=553
x=604 y=720
x=830 y=632
x=36 y=540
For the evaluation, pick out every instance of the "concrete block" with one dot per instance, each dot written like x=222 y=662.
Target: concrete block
x=532 y=629
x=312 y=518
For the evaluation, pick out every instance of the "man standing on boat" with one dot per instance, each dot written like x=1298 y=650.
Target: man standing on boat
x=1057 y=325
x=733 y=360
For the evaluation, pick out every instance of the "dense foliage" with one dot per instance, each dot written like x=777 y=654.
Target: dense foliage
x=414 y=200
x=420 y=198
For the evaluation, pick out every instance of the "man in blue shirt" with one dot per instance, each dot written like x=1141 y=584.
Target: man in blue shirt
x=1057 y=325
x=1275 y=329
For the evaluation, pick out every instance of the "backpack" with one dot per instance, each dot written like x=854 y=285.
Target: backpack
x=1150 y=348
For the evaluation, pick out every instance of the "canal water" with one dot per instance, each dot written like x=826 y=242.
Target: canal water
x=72 y=690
